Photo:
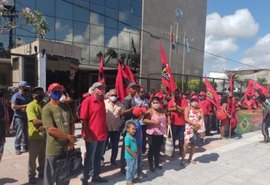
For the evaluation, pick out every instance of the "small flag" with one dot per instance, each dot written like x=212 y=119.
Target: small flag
x=231 y=83
x=129 y=73
x=121 y=83
x=133 y=46
x=186 y=45
x=166 y=75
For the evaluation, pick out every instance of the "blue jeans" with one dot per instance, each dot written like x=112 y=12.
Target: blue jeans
x=21 y=128
x=131 y=169
x=178 y=134
x=94 y=153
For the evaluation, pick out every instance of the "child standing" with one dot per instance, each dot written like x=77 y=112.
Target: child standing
x=138 y=113
x=131 y=152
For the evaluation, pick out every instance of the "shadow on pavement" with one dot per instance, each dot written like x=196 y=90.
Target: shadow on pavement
x=7 y=181
x=207 y=158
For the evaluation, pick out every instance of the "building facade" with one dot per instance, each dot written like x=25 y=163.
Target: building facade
x=130 y=28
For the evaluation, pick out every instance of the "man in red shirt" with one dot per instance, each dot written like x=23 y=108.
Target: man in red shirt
x=207 y=110
x=249 y=103
x=176 y=107
x=94 y=132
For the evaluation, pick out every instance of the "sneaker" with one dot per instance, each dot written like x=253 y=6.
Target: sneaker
x=142 y=175
x=33 y=181
x=18 y=152
x=99 y=180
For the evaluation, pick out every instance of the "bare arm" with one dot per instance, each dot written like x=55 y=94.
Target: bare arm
x=55 y=132
x=18 y=107
x=86 y=131
x=131 y=152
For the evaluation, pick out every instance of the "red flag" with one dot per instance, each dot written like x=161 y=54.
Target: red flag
x=129 y=73
x=101 y=78
x=231 y=83
x=121 y=83
x=254 y=86
x=166 y=75
x=211 y=94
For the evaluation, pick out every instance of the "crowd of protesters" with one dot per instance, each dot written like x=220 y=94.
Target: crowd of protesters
x=46 y=129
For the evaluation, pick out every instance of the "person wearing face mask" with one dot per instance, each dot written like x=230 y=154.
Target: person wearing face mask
x=58 y=121
x=94 y=132
x=114 y=122
x=36 y=135
x=19 y=103
x=194 y=122
x=156 y=122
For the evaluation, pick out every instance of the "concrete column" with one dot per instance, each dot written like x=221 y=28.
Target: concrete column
x=41 y=60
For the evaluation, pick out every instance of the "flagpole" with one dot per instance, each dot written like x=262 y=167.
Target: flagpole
x=170 y=47
x=183 y=67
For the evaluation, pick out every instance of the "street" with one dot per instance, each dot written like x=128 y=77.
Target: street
x=220 y=162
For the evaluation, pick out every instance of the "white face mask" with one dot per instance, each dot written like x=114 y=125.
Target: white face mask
x=194 y=104
x=155 y=106
x=113 y=98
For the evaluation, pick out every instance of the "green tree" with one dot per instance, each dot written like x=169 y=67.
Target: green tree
x=261 y=80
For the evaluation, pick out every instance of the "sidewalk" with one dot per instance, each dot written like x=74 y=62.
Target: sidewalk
x=220 y=162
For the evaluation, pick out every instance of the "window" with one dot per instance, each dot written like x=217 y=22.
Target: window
x=97 y=35
x=81 y=33
x=63 y=9
x=46 y=7
x=63 y=30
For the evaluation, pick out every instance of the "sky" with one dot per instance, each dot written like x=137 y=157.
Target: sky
x=238 y=30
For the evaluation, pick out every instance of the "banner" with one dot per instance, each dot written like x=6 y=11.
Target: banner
x=249 y=121
x=129 y=73
x=166 y=74
x=211 y=94
x=121 y=83
x=254 y=87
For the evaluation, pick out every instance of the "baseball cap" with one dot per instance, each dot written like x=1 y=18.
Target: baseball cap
x=194 y=97
x=132 y=84
x=138 y=111
x=55 y=86
x=35 y=89
x=95 y=85
x=23 y=84
x=202 y=93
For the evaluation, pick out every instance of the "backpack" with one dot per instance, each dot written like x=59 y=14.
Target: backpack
x=220 y=113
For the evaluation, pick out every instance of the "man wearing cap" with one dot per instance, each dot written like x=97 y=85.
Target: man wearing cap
x=114 y=122
x=36 y=135
x=94 y=132
x=58 y=121
x=207 y=111
x=19 y=103
x=128 y=106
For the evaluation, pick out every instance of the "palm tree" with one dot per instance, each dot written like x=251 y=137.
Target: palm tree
x=261 y=80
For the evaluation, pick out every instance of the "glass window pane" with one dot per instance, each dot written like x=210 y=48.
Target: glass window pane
x=63 y=30
x=124 y=40
x=112 y=19
x=81 y=33
x=85 y=52
x=51 y=33
x=46 y=7
x=97 y=8
x=111 y=38
x=101 y=2
x=112 y=3
x=136 y=8
x=97 y=35
x=125 y=5
x=63 y=9
x=94 y=50
x=23 y=4
x=81 y=14
x=96 y=19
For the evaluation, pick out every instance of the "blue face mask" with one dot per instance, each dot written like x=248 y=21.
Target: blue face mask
x=56 y=95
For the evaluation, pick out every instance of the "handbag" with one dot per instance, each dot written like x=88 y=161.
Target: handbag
x=169 y=147
x=196 y=139
x=70 y=166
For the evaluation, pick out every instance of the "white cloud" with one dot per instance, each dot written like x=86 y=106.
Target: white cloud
x=222 y=34
x=259 y=55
